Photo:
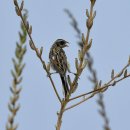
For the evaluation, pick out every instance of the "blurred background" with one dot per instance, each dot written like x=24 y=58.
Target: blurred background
x=110 y=50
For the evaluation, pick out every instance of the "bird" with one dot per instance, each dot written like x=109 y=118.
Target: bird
x=58 y=61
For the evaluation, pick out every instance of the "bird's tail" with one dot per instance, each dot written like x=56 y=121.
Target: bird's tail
x=65 y=84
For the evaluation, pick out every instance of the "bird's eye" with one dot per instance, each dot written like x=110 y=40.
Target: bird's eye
x=62 y=42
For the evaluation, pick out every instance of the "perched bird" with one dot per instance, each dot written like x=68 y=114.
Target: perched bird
x=58 y=61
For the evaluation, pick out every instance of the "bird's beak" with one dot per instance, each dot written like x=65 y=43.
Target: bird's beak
x=66 y=45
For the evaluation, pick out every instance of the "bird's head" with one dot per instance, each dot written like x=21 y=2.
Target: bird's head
x=61 y=43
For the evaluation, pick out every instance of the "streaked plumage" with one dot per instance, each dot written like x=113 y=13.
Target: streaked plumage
x=58 y=61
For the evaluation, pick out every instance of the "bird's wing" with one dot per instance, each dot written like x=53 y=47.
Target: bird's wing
x=60 y=62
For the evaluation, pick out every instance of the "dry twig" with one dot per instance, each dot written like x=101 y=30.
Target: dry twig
x=32 y=45
x=112 y=82
x=80 y=65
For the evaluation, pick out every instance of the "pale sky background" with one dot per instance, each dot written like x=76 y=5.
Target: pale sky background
x=110 y=49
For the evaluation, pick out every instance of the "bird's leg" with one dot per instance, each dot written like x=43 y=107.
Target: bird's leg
x=68 y=67
x=73 y=73
x=49 y=74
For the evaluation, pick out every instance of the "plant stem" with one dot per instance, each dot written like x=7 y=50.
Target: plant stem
x=60 y=114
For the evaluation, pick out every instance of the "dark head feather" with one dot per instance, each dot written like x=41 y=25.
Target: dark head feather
x=61 y=43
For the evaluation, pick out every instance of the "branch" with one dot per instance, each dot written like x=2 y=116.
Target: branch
x=102 y=112
x=80 y=62
x=74 y=23
x=112 y=82
x=79 y=66
x=100 y=89
x=60 y=114
x=17 y=77
x=32 y=45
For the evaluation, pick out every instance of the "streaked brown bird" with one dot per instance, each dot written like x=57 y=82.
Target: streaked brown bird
x=58 y=61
